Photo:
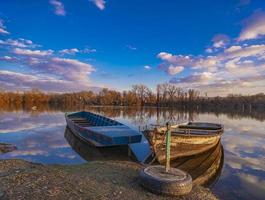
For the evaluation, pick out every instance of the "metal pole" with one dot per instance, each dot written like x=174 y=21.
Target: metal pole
x=168 y=142
x=129 y=149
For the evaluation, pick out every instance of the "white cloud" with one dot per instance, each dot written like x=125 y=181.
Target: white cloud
x=166 y=56
x=209 y=62
x=69 y=69
x=99 y=3
x=3 y=28
x=3 y=31
x=13 y=81
x=21 y=43
x=69 y=51
x=238 y=66
x=175 y=60
x=28 y=52
x=8 y=58
x=254 y=27
x=48 y=72
x=147 y=67
x=220 y=40
x=230 y=67
x=59 y=7
x=73 y=51
x=244 y=51
x=173 y=70
x=197 y=78
x=232 y=49
x=209 y=50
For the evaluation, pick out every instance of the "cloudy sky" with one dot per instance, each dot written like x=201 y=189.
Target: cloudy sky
x=72 y=45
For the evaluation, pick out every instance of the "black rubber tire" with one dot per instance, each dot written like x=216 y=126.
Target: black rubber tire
x=174 y=183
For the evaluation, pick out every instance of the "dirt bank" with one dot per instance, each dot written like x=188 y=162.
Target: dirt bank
x=95 y=180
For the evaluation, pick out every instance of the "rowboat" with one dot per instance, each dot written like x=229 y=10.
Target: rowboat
x=100 y=131
x=187 y=139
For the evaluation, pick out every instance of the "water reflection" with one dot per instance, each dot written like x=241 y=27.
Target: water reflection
x=39 y=137
x=91 y=153
x=204 y=168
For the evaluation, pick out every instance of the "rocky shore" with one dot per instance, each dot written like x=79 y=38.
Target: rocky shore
x=95 y=180
x=5 y=148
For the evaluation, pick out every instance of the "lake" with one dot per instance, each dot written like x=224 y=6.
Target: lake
x=42 y=137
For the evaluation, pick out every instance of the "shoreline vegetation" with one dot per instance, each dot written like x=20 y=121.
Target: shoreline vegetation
x=166 y=96
x=119 y=180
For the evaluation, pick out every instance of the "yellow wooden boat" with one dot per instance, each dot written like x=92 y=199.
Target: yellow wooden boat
x=187 y=139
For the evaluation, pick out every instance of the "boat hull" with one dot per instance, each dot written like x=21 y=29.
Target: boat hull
x=100 y=131
x=183 y=142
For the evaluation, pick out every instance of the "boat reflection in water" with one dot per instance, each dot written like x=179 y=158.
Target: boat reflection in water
x=91 y=153
x=204 y=168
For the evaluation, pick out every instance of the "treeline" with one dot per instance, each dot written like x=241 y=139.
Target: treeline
x=166 y=95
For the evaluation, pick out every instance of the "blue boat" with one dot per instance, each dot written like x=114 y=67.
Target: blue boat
x=100 y=131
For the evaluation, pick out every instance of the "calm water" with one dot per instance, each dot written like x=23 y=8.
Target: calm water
x=41 y=137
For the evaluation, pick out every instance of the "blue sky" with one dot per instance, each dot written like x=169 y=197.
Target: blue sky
x=71 y=45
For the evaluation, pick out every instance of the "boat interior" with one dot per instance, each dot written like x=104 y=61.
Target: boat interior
x=200 y=126
x=86 y=119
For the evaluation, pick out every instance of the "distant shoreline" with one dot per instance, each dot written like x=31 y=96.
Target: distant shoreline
x=115 y=111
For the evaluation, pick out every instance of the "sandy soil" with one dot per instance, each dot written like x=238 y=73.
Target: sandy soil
x=95 y=180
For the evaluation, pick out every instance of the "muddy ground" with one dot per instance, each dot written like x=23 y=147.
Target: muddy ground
x=95 y=180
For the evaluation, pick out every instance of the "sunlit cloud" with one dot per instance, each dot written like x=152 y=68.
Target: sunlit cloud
x=237 y=66
x=29 y=52
x=254 y=27
x=20 y=43
x=199 y=78
x=173 y=70
x=50 y=73
x=220 y=40
x=58 y=7
x=69 y=69
x=60 y=76
x=11 y=81
x=230 y=64
x=99 y=3
x=49 y=70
